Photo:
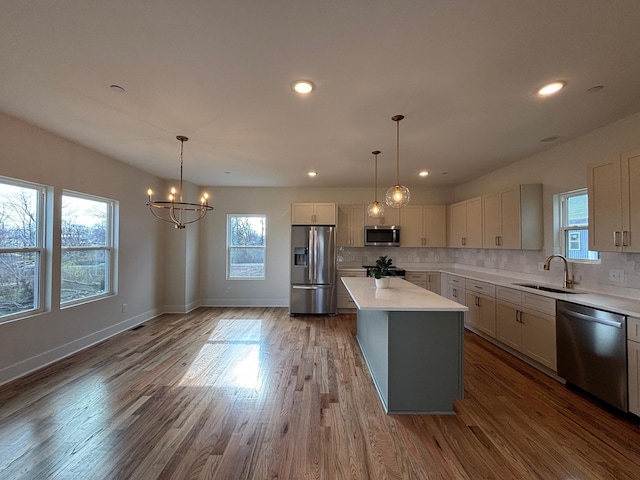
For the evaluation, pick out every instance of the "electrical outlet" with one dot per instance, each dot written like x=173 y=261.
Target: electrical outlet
x=616 y=276
x=437 y=258
x=124 y=308
x=410 y=258
x=541 y=266
x=228 y=290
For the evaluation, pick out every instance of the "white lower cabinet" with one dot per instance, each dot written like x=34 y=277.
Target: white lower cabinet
x=526 y=323
x=417 y=278
x=426 y=280
x=433 y=282
x=481 y=302
x=455 y=289
x=345 y=302
x=633 y=353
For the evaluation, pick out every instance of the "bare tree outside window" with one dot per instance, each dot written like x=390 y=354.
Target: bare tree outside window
x=246 y=245
x=21 y=247
x=87 y=247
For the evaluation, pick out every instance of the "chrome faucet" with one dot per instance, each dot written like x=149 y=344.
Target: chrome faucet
x=568 y=282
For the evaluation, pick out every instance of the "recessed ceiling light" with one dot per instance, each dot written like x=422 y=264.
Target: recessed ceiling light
x=312 y=174
x=551 y=88
x=116 y=88
x=423 y=173
x=302 y=86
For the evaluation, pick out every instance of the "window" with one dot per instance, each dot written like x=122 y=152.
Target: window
x=22 y=251
x=245 y=246
x=87 y=243
x=575 y=226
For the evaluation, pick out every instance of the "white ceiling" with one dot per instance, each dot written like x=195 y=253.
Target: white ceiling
x=462 y=72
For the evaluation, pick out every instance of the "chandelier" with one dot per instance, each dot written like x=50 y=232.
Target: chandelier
x=375 y=208
x=175 y=210
x=398 y=195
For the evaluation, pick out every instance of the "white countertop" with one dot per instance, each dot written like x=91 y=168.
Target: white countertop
x=612 y=303
x=400 y=296
x=622 y=305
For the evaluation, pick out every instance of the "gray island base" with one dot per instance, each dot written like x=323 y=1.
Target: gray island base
x=412 y=342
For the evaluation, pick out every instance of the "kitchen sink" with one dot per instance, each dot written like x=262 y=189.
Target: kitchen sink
x=545 y=288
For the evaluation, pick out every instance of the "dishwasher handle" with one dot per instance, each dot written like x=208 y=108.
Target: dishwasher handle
x=589 y=318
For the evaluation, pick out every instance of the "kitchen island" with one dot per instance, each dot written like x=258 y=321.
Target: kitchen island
x=412 y=342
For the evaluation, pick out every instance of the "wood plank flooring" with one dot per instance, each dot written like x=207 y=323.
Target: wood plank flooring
x=251 y=393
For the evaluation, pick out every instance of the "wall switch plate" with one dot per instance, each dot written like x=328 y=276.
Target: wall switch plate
x=228 y=290
x=616 y=276
x=541 y=266
x=124 y=308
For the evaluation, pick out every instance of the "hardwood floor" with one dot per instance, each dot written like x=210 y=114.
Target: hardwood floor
x=251 y=393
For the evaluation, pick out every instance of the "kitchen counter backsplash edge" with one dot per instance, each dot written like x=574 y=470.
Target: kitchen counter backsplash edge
x=612 y=303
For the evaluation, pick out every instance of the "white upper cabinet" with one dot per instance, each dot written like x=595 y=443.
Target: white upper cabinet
x=423 y=226
x=465 y=224
x=614 y=204
x=313 y=213
x=512 y=219
x=350 y=230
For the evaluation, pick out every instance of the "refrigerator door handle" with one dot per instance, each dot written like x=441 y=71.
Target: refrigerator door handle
x=315 y=255
x=312 y=256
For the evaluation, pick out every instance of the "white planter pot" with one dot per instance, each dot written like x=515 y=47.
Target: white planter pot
x=382 y=282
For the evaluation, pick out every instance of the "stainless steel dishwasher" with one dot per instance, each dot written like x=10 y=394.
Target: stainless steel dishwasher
x=592 y=351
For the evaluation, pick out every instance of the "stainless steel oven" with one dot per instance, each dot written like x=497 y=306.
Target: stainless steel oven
x=398 y=272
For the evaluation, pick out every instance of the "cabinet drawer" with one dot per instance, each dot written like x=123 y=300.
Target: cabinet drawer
x=509 y=295
x=633 y=329
x=416 y=276
x=538 y=302
x=481 y=287
x=456 y=281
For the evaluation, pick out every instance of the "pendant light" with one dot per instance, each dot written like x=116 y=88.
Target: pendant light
x=375 y=208
x=178 y=212
x=398 y=195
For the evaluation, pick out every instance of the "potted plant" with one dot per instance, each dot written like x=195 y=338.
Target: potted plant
x=382 y=271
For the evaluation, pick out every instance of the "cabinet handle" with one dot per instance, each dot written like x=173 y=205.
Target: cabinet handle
x=497 y=241
x=626 y=238
x=477 y=301
x=455 y=293
x=616 y=239
x=464 y=240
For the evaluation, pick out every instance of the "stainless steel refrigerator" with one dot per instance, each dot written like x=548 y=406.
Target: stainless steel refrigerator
x=313 y=270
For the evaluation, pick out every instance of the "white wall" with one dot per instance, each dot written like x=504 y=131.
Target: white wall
x=560 y=169
x=29 y=153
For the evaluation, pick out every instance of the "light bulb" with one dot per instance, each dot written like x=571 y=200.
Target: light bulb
x=375 y=210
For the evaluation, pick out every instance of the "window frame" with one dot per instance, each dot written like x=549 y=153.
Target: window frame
x=565 y=229
x=229 y=247
x=39 y=249
x=109 y=248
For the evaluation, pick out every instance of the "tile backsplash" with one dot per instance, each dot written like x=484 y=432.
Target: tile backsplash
x=589 y=276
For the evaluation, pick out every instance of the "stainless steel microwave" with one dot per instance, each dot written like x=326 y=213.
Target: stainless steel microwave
x=381 y=236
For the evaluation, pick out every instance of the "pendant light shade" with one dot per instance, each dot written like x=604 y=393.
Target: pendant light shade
x=398 y=196
x=375 y=208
